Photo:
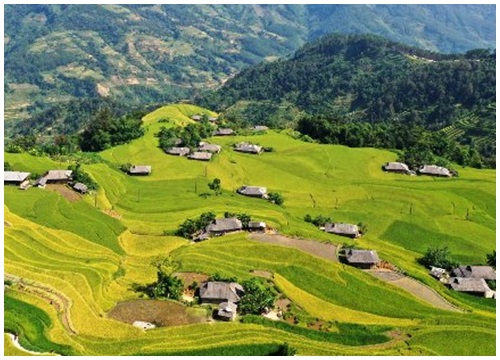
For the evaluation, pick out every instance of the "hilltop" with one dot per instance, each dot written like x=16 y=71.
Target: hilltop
x=86 y=256
x=159 y=53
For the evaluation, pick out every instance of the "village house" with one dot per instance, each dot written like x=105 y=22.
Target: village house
x=257 y=226
x=396 y=167
x=54 y=177
x=81 y=188
x=216 y=292
x=16 y=178
x=223 y=132
x=258 y=128
x=434 y=170
x=213 y=148
x=474 y=272
x=200 y=155
x=253 y=191
x=364 y=259
x=139 y=170
x=471 y=286
x=248 y=148
x=440 y=274
x=179 y=151
x=342 y=229
x=196 y=117
x=223 y=226
x=212 y=119
x=227 y=311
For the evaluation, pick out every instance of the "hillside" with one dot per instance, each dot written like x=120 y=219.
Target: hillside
x=159 y=53
x=364 y=82
x=77 y=260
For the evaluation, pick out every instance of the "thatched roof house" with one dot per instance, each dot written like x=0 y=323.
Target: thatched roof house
x=254 y=191
x=223 y=132
x=257 y=128
x=397 y=167
x=471 y=286
x=139 y=170
x=213 y=148
x=362 y=258
x=179 y=151
x=54 y=177
x=434 y=170
x=225 y=225
x=256 y=225
x=248 y=148
x=342 y=229
x=475 y=272
x=227 y=311
x=218 y=291
x=81 y=188
x=14 y=177
x=200 y=155
x=212 y=119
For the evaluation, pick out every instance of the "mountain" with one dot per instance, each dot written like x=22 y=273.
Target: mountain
x=158 y=53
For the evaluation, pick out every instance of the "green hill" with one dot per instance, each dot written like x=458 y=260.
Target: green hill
x=95 y=251
x=160 y=53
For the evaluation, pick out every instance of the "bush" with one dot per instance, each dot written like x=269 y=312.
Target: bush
x=276 y=198
x=438 y=257
x=318 y=220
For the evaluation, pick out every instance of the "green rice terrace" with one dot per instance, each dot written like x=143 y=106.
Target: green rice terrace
x=73 y=264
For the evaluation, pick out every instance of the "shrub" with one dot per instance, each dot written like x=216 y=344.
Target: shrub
x=276 y=198
x=438 y=257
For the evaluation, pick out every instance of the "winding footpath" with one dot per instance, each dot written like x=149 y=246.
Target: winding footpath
x=329 y=252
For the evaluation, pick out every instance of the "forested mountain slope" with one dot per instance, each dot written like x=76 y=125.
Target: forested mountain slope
x=157 y=53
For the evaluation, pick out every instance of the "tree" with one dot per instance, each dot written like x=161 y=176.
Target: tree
x=167 y=285
x=285 y=350
x=187 y=228
x=492 y=259
x=257 y=297
x=6 y=166
x=438 y=257
x=276 y=198
x=215 y=186
x=244 y=218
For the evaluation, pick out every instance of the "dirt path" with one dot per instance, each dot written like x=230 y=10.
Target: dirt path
x=414 y=287
x=325 y=251
x=58 y=300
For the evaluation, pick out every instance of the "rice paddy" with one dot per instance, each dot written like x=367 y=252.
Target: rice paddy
x=93 y=251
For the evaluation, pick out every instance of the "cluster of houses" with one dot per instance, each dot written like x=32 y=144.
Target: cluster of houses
x=203 y=152
x=430 y=170
x=225 y=294
x=468 y=279
x=22 y=180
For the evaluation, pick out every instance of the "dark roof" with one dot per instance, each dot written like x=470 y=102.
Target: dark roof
x=475 y=272
x=223 y=132
x=181 y=151
x=396 y=166
x=209 y=147
x=226 y=224
x=15 y=176
x=252 y=190
x=468 y=285
x=248 y=148
x=58 y=175
x=200 y=155
x=80 y=187
x=434 y=170
x=362 y=256
x=227 y=309
x=140 y=169
x=216 y=290
x=342 y=229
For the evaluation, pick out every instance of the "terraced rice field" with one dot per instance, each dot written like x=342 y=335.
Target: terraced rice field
x=78 y=252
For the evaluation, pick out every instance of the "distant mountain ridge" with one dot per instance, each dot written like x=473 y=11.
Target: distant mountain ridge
x=158 y=53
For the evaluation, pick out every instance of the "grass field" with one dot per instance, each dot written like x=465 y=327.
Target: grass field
x=76 y=251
